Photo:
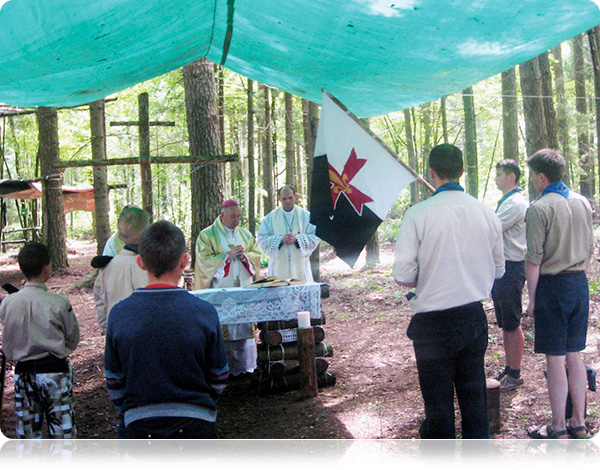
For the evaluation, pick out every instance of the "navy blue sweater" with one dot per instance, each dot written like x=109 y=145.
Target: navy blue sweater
x=165 y=356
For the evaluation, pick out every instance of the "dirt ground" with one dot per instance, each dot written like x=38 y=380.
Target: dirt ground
x=376 y=395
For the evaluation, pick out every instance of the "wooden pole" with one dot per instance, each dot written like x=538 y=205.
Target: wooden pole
x=281 y=369
x=286 y=324
x=306 y=360
x=286 y=351
x=145 y=168
x=493 y=394
x=275 y=338
x=151 y=159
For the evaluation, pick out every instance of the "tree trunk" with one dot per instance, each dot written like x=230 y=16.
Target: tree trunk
x=98 y=132
x=472 y=176
x=412 y=156
x=547 y=100
x=267 y=154
x=219 y=72
x=207 y=180
x=510 y=115
x=585 y=180
x=311 y=124
x=425 y=112
x=54 y=228
x=372 y=247
x=593 y=37
x=533 y=111
x=290 y=173
x=274 y=95
x=236 y=169
x=562 y=120
x=251 y=167
x=3 y=208
x=444 y=119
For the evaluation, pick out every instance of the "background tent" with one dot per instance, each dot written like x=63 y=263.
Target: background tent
x=74 y=198
x=375 y=56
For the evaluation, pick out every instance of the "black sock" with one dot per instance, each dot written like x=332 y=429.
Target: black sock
x=514 y=373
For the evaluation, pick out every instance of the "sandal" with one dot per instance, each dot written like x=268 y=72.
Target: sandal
x=577 y=432
x=551 y=433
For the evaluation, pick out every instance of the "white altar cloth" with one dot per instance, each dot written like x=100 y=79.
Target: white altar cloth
x=253 y=305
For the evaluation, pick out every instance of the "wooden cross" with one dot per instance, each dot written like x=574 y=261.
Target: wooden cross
x=143 y=124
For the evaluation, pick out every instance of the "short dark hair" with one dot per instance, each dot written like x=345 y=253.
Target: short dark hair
x=508 y=165
x=550 y=162
x=447 y=161
x=32 y=258
x=161 y=246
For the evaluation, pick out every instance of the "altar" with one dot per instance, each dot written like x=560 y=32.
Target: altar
x=255 y=305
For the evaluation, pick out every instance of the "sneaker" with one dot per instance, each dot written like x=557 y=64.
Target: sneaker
x=501 y=374
x=508 y=382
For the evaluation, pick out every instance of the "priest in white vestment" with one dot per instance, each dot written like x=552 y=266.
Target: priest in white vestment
x=227 y=255
x=288 y=238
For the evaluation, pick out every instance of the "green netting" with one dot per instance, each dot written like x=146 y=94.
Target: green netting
x=375 y=56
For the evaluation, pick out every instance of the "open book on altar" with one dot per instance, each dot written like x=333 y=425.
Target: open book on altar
x=272 y=281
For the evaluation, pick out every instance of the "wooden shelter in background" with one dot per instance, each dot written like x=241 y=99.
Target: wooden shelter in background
x=74 y=198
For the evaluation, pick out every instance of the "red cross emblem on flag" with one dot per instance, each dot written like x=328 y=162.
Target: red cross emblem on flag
x=340 y=184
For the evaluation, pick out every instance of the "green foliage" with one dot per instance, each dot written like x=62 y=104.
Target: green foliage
x=171 y=183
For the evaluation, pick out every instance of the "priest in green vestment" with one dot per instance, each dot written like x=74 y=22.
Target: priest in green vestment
x=227 y=255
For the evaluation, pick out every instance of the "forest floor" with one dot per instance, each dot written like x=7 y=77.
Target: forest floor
x=377 y=393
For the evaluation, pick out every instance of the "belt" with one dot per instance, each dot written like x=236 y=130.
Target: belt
x=45 y=365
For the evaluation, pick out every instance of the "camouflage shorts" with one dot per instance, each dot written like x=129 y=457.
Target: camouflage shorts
x=46 y=396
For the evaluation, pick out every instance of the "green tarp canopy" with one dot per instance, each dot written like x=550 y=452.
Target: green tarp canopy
x=375 y=56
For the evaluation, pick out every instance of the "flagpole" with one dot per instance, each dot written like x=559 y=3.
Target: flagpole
x=408 y=168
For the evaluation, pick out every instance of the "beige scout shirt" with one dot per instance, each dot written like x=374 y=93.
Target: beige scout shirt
x=512 y=215
x=115 y=282
x=559 y=233
x=36 y=323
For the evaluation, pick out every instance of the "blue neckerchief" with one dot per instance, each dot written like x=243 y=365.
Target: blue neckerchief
x=507 y=195
x=450 y=186
x=559 y=188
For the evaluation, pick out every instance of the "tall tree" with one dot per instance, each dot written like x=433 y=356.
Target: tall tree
x=98 y=133
x=547 y=99
x=267 y=153
x=220 y=74
x=562 y=116
x=424 y=112
x=54 y=228
x=510 y=114
x=444 y=114
x=251 y=167
x=472 y=177
x=372 y=248
x=290 y=153
x=311 y=124
x=207 y=179
x=583 y=145
x=533 y=111
x=274 y=95
x=412 y=155
x=594 y=40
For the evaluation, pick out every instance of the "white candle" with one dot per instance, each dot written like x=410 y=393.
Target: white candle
x=303 y=319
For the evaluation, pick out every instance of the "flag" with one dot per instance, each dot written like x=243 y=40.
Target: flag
x=356 y=180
